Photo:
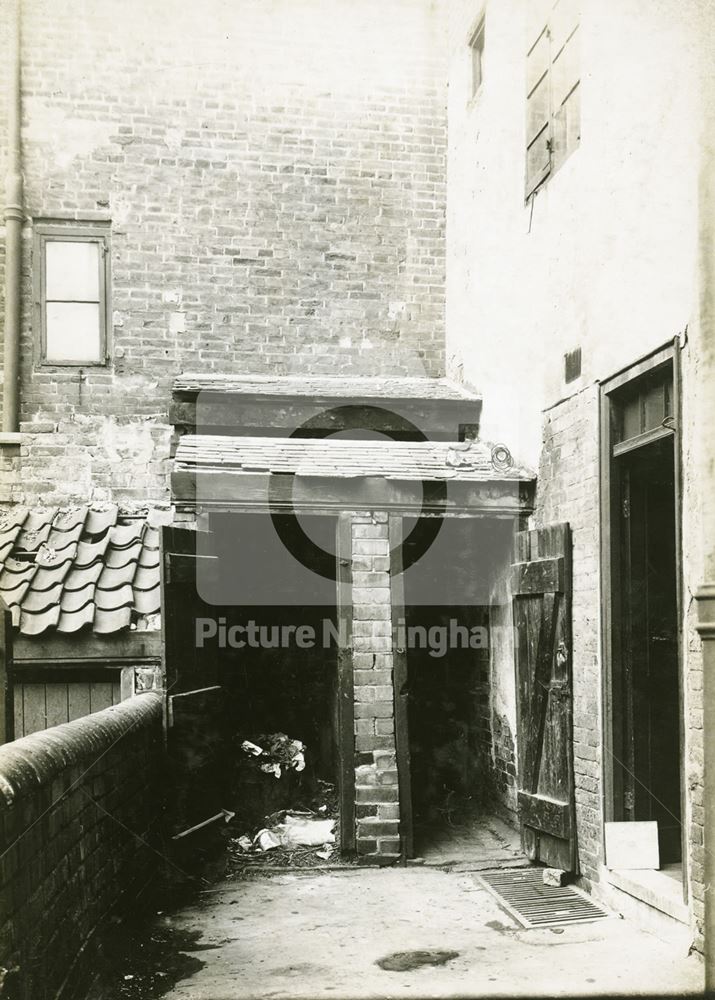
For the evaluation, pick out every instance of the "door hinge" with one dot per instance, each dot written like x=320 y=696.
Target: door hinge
x=626 y=507
x=628 y=801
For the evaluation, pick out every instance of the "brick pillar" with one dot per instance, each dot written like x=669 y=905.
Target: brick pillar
x=376 y=792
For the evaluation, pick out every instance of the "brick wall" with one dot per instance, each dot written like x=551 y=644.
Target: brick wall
x=568 y=490
x=68 y=798
x=376 y=790
x=274 y=175
x=695 y=482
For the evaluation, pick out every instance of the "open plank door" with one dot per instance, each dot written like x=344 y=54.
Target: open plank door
x=195 y=722
x=541 y=594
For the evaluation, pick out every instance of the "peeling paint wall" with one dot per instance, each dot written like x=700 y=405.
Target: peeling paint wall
x=88 y=458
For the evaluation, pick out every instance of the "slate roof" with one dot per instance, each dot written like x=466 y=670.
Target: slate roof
x=342 y=458
x=325 y=386
x=71 y=569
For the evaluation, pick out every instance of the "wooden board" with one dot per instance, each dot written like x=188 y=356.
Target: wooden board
x=346 y=688
x=541 y=585
x=399 y=675
x=442 y=419
x=250 y=490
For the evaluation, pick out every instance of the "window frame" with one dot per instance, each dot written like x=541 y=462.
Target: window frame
x=71 y=232
x=477 y=34
x=557 y=156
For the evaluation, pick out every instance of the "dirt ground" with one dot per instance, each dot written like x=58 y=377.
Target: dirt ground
x=342 y=934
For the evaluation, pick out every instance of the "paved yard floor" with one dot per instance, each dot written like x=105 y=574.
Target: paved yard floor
x=321 y=934
x=486 y=840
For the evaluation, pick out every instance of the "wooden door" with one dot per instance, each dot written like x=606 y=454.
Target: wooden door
x=195 y=709
x=541 y=593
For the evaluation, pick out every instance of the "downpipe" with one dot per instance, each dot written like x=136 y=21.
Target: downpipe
x=13 y=229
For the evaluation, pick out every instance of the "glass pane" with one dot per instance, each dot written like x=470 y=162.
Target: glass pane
x=563 y=23
x=73 y=332
x=631 y=417
x=565 y=72
x=477 y=53
x=72 y=270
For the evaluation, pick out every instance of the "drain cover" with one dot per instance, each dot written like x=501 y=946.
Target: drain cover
x=523 y=893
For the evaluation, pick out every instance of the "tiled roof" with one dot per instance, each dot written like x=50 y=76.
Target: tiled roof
x=70 y=569
x=342 y=458
x=326 y=386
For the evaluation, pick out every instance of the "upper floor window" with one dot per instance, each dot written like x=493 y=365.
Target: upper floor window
x=71 y=278
x=553 y=112
x=476 y=51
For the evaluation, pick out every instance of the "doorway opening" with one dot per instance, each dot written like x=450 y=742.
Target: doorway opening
x=278 y=668
x=643 y=604
x=444 y=678
x=649 y=682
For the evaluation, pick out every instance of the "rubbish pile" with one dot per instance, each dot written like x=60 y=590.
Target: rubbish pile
x=291 y=822
x=290 y=837
x=275 y=753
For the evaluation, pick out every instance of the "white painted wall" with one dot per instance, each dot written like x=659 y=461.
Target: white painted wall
x=604 y=258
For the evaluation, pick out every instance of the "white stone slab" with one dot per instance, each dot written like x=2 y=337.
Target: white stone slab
x=632 y=845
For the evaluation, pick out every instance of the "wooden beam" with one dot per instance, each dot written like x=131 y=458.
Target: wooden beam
x=346 y=686
x=229 y=488
x=127 y=645
x=31 y=672
x=545 y=814
x=399 y=683
x=641 y=440
x=435 y=418
x=541 y=576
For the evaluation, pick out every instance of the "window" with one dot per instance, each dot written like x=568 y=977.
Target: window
x=553 y=114
x=476 y=50
x=71 y=276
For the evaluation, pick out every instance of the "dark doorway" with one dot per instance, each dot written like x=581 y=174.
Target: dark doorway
x=649 y=682
x=449 y=724
x=642 y=641
x=443 y=694
x=277 y=654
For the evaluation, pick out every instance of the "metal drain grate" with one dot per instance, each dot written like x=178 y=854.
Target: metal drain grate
x=522 y=892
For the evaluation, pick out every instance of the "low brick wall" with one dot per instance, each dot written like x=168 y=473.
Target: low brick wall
x=76 y=803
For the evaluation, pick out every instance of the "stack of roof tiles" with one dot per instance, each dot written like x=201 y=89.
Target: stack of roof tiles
x=71 y=569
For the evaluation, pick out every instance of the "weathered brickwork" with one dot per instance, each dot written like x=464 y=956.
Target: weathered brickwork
x=70 y=797
x=376 y=788
x=693 y=575
x=503 y=760
x=89 y=458
x=274 y=176
x=568 y=490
